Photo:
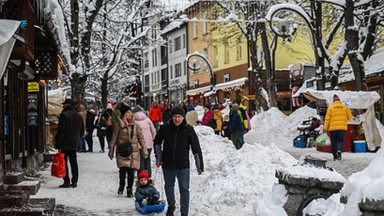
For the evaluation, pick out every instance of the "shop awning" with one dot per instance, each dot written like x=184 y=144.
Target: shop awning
x=227 y=86
x=207 y=94
x=199 y=90
x=7 y=30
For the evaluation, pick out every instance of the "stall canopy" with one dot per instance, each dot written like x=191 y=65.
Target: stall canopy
x=55 y=98
x=7 y=30
x=354 y=100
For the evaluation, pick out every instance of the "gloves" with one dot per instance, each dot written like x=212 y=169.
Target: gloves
x=144 y=202
x=153 y=200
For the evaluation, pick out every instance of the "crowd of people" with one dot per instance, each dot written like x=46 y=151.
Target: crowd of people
x=131 y=134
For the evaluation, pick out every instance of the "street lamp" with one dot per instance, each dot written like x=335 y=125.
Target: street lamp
x=199 y=63
x=282 y=26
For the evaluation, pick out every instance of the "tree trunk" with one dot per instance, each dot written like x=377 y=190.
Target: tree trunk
x=269 y=69
x=78 y=86
x=104 y=90
x=352 y=38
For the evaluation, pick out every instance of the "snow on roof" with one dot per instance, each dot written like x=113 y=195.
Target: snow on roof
x=346 y=74
x=56 y=27
x=175 y=24
x=233 y=83
x=375 y=63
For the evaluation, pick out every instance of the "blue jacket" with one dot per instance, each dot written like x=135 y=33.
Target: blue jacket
x=147 y=191
x=235 y=123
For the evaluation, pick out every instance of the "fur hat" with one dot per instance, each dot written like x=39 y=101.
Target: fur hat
x=178 y=110
x=143 y=174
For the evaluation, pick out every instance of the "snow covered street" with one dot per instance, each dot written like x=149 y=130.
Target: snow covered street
x=232 y=183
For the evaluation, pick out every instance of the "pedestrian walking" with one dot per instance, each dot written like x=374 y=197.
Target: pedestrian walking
x=167 y=113
x=69 y=132
x=101 y=125
x=172 y=145
x=155 y=115
x=191 y=115
x=336 y=121
x=218 y=116
x=90 y=126
x=126 y=138
x=107 y=114
x=81 y=110
x=236 y=126
x=149 y=133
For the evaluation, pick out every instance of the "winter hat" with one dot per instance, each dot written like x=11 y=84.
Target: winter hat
x=178 y=110
x=109 y=106
x=137 y=108
x=191 y=107
x=69 y=101
x=143 y=174
x=124 y=108
x=208 y=105
x=235 y=107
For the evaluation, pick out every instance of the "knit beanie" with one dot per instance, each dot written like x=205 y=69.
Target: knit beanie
x=191 y=107
x=143 y=174
x=123 y=109
x=178 y=110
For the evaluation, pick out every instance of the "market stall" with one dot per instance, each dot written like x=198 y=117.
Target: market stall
x=362 y=126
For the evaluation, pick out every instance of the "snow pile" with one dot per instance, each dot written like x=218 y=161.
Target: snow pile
x=233 y=177
x=367 y=184
x=306 y=171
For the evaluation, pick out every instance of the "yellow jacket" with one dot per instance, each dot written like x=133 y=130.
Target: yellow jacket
x=337 y=117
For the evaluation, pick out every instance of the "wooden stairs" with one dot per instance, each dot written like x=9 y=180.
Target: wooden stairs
x=15 y=197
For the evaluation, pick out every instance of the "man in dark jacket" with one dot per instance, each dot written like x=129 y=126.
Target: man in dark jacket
x=71 y=128
x=178 y=138
x=89 y=127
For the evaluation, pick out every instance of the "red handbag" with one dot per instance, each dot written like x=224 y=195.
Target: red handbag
x=58 y=165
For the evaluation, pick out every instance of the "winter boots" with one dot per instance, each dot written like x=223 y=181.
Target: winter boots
x=120 y=190
x=129 y=193
x=170 y=211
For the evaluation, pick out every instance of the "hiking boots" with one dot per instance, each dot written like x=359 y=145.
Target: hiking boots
x=170 y=211
x=129 y=193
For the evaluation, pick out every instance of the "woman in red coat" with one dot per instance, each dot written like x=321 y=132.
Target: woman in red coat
x=155 y=115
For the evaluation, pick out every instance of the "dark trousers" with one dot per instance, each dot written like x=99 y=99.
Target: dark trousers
x=89 y=140
x=145 y=164
x=123 y=171
x=337 y=140
x=102 y=142
x=71 y=154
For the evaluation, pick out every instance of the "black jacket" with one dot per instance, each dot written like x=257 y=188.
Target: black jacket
x=178 y=140
x=71 y=128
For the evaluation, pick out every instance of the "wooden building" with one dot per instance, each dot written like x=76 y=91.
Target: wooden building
x=35 y=57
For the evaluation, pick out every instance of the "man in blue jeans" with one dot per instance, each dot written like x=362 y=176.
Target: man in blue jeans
x=336 y=121
x=177 y=138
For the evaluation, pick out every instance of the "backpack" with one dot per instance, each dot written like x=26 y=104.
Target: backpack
x=213 y=123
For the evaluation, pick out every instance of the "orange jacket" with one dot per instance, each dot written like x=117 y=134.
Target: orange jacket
x=155 y=114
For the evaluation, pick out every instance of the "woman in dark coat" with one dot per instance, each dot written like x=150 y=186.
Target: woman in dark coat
x=167 y=113
x=101 y=125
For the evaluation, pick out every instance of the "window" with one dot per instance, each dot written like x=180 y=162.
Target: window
x=195 y=29
x=146 y=83
x=171 y=71
x=170 y=44
x=164 y=76
x=146 y=61
x=205 y=24
x=178 y=70
x=158 y=76
x=177 y=44
x=239 y=49
x=216 y=53
x=152 y=78
x=205 y=52
x=226 y=52
x=155 y=56
x=184 y=41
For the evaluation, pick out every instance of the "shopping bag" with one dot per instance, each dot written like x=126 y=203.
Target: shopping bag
x=323 y=140
x=58 y=165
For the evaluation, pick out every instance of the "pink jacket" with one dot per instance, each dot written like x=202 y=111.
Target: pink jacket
x=146 y=125
x=207 y=117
